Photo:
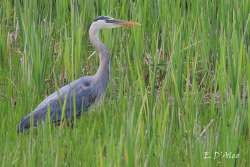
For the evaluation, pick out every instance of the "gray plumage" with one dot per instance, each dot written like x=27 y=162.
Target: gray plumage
x=80 y=94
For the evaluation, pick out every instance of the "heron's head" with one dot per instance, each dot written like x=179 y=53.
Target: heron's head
x=109 y=22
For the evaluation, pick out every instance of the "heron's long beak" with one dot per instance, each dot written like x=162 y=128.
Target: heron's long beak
x=129 y=24
x=125 y=23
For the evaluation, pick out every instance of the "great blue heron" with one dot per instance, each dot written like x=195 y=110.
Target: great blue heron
x=79 y=95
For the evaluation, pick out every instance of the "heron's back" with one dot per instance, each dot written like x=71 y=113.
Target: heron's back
x=71 y=100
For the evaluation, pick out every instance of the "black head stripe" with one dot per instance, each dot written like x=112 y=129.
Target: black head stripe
x=102 y=18
x=112 y=21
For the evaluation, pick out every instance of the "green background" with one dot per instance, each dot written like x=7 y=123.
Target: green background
x=179 y=88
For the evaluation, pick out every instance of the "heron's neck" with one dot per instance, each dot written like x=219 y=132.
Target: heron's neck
x=103 y=69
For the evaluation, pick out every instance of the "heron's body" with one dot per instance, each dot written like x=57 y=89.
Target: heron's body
x=73 y=99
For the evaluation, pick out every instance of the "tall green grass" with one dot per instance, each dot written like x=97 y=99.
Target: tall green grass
x=179 y=88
